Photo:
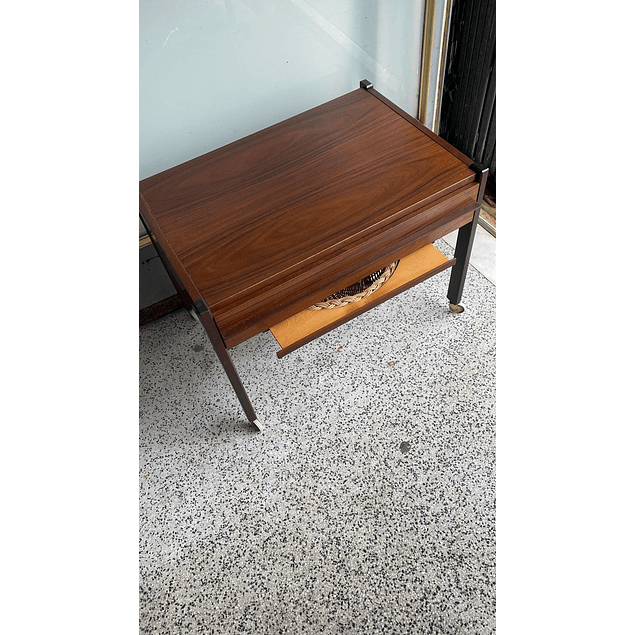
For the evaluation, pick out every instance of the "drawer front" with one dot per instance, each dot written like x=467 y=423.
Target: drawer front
x=257 y=310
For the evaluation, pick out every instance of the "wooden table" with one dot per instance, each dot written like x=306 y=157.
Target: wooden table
x=254 y=233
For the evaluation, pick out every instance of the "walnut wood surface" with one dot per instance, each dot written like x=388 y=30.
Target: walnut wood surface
x=307 y=325
x=268 y=223
x=415 y=122
x=325 y=277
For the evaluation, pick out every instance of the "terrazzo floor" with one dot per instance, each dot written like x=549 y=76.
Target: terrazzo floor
x=367 y=504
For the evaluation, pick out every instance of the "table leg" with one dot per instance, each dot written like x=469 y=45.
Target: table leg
x=462 y=253
x=209 y=324
x=201 y=312
x=463 y=248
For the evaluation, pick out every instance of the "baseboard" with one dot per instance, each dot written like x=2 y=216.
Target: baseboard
x=160 y=309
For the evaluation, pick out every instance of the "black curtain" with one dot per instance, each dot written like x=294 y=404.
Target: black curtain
x=468 y=103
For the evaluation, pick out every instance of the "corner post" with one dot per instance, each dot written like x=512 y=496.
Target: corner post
x=464 y=243
x=209 y=324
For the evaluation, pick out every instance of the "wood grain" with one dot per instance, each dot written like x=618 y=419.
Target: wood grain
x=273 y=220
x=308 y=324
x=247 y=314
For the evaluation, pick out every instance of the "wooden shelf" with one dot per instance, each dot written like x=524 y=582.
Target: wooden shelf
x=308 y=325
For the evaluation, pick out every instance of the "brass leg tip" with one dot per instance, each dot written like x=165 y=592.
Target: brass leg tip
x=456 y=308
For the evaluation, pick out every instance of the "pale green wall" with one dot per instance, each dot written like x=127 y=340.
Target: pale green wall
x=213 y=71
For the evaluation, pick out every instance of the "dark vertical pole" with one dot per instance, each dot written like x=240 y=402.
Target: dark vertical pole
x=209 y=324
x=463 y=247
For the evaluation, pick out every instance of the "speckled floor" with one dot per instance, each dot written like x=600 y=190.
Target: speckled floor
x=368 y=503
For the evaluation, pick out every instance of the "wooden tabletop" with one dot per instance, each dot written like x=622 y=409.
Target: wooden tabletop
x=278 y=220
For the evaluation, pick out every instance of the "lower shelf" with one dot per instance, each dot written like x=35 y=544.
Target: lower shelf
x=308 y=325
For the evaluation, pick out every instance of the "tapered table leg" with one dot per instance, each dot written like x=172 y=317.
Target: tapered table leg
x=201 y=312
x=209 y=324
x=462 y=252
x=463 y=248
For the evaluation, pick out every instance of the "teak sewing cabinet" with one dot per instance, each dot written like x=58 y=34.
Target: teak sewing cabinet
x=255 y=232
